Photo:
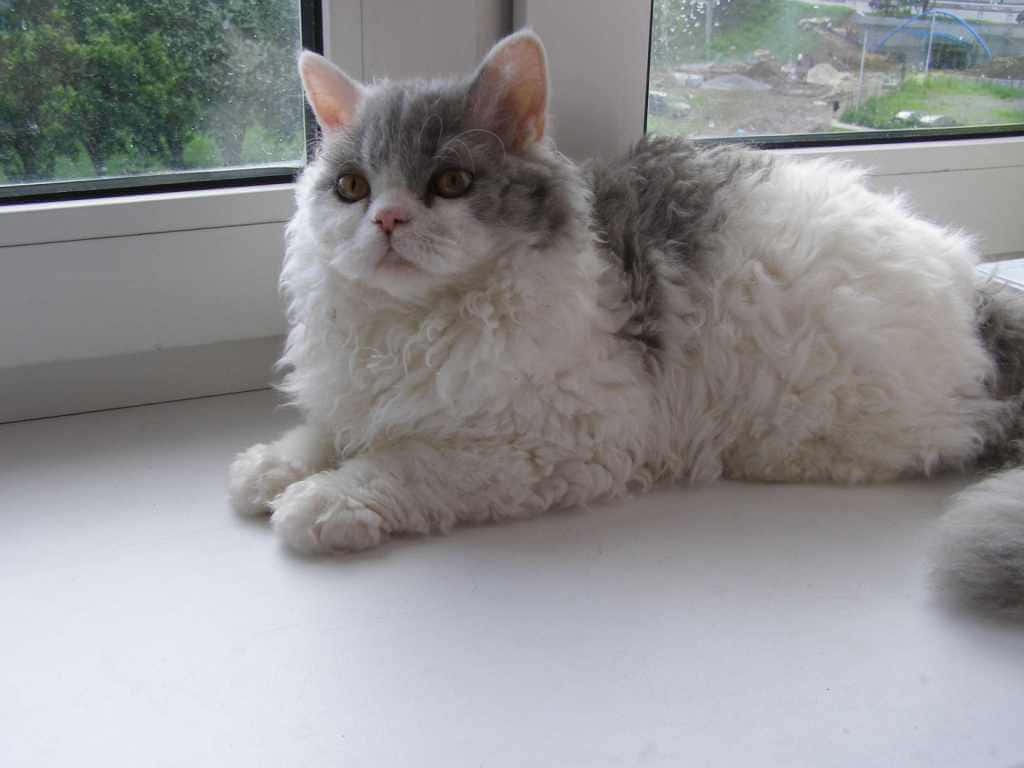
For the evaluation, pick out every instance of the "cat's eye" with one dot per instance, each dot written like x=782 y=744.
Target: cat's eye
x=453 y=182
x=353 y=187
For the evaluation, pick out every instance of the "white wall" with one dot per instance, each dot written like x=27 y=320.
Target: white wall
x=597 y=54
x=451 y=36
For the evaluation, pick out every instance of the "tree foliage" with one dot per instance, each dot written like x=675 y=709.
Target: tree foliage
x=35 y=98
x=137 y=83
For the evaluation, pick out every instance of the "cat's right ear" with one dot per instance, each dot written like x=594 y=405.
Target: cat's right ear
x=333 y=95
x=509 y=94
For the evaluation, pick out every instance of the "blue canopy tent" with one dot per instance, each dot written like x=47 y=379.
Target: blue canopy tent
x=940 y=37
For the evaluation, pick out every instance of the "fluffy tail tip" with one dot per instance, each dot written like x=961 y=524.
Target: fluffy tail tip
x=980 y=548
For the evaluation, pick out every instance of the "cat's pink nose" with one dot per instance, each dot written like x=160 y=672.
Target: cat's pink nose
x=389 y=218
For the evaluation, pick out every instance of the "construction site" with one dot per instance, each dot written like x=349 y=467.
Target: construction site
x=782 y=67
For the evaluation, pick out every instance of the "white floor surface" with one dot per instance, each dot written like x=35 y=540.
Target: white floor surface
x=142 y=624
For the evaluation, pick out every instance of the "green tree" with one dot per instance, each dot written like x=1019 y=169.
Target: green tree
x=107 y=65
x=138 y=81
x=139 y=75
x=182 y=44
x=36 y=124
x=259 y=83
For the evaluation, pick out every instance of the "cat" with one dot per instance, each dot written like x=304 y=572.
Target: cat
x=481 y=329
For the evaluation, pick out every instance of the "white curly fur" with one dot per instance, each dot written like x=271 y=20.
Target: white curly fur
x=513 y=394
x=832 y=338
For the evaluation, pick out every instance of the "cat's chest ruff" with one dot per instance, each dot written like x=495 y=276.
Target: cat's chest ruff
x=485 y=364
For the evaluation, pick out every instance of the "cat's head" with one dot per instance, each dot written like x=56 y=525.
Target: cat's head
x=420 y=184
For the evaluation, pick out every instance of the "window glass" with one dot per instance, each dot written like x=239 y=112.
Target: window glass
x=735 y=68
x=93 y=89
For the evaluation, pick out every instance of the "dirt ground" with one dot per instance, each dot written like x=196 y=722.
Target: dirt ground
x=1003 y=68
x=789 y=105
x=761 y=95
x=781 y=101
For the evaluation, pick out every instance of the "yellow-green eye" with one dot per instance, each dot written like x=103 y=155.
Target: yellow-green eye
x=353 y=187
x=452 y=183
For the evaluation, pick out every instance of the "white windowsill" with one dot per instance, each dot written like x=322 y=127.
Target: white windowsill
x=57 y=222
x=947 y=155
x=735 y=625
x=1010 y=272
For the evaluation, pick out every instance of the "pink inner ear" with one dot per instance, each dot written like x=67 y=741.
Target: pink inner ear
x=333 y=96
x=512 y=88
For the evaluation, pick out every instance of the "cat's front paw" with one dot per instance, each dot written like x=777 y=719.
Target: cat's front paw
x=256 y=477
x=314 y=516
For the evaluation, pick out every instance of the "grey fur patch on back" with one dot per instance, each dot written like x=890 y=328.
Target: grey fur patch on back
x=980 y=553
x=1001 y=324
x=657 y=207
x=1001 y=327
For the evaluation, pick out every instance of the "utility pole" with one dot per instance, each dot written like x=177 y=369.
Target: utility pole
x=863 y=55
x=708 y=18
x=928 y=56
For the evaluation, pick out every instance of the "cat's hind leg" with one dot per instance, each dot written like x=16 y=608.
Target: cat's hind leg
x=261 y=473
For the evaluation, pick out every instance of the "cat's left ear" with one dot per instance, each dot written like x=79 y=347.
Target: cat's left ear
x=509 y=94
x=333 y=95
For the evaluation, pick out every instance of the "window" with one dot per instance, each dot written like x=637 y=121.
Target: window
x=103 y=95
x=129 y=275
x=841 y=72
x=159 y=278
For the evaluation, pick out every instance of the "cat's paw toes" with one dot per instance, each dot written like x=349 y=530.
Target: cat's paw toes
x=256 y=477
x=312 y=516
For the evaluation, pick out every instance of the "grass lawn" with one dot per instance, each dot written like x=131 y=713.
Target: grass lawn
x=259 y=147
x=770 y=25
x=773 y=26
x=967 y=102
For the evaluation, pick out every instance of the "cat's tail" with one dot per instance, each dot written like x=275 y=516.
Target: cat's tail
x=980 y=556
x=980 y=553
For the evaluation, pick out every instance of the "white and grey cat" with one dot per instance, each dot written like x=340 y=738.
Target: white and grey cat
x=481 y=329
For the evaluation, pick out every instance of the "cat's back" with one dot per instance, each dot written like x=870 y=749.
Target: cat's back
x=676 y=208
x=670 y=195
x=798 y=319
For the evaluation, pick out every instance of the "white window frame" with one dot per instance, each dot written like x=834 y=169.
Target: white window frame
x=119 y=281
x=598 y=53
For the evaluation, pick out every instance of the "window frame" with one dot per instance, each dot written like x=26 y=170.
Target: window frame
x=621 y=62
x=118 y=300
x=605 y=113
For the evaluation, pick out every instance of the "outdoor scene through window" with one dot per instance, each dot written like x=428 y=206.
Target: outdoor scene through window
x=102 y=88
x=761 y=67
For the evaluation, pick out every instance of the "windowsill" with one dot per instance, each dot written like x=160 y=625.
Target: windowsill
x=732 y=625
x=926 y=156
x=1010 y=272
x=146 y=214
